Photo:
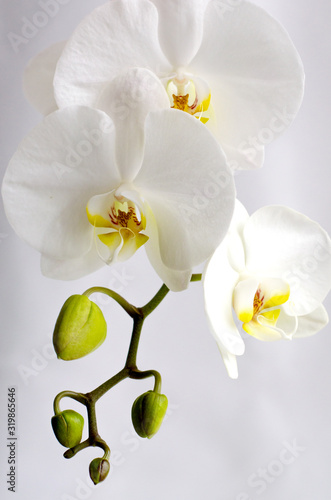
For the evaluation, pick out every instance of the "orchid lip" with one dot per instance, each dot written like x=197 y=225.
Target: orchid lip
x=258 y=306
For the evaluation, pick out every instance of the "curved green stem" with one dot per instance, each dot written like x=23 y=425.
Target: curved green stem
x=79 y=447
x=67 y=394
x=138 y=375
x=86 y=444
x=129 y=308
x=131 y=360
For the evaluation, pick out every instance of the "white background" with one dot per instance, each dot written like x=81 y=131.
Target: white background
x=220 y=434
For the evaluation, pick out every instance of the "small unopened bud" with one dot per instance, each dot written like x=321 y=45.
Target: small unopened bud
x=148 y=412
x=80 y=328
x=99 y=468
x=68 y=427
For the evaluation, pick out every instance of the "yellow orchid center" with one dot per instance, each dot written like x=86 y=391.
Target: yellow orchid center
x=124 y=214
x=118 y=223
x=189 y=96
x=257 y=306
x=258 y=302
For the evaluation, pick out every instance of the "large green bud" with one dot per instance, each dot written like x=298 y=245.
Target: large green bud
x=68 y=427
x=148 y=412
x=99 y=468
x=79 y=329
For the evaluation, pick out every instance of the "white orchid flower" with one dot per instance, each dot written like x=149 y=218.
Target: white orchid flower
x=233 y=66
x=271 y=274
x=85 y=189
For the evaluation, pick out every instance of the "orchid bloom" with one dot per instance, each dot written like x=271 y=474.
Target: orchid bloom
x=234 y=67
x=271 y=274
x=86 y=189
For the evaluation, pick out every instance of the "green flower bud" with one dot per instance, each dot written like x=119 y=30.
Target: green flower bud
x=148 y=412
x=99 y=468
x=68 y=428
x=80 y=328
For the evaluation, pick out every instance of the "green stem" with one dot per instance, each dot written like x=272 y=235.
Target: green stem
x=138 y=375
x=159 y=296
x=129 y=308
x=156 y=300
x=131 y=360
x=67 y=394
x=92 y=419
x=106 y=386
x=79 y=447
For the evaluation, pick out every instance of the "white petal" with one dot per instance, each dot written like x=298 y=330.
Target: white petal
x=116 y=36
x=312 y=323
x=71 y=269
x=282 y=243
x=255 y=75
x=180 y=28
x=230 y=362
x=175 y=280
x=127 y=100
x=219 y=281
x=58 y=167
x=188 y=185
x=38 y=79
x=234 y=237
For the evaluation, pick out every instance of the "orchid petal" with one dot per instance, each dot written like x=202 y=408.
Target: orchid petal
x=127 y=100
x=180 y=28
x=282 y=243
x=236 y=252
x=58 y=167
x=312 y=323
x=192 y=205
x=71 y=269
x=175 y=280
x=230 y=362
x=116 y=36
x=38 y=79
x=219 y=281
x=255 y=75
